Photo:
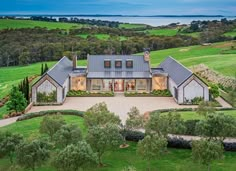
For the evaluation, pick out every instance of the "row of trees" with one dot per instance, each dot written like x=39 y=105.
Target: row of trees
x=25 y=46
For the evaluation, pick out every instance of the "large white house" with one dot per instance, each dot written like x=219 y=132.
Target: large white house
x=118 y=73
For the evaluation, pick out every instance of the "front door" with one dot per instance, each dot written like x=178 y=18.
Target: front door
x=119 y=85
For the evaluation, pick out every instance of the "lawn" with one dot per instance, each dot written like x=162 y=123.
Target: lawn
x=231 y=34
x=191 y=115
x=209 y=55
x=174 y=159
x=162 y=32
x=102 y=36
x=16 y=24
x=132 y=26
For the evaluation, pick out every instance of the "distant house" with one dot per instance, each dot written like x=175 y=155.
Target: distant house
x=118 y=73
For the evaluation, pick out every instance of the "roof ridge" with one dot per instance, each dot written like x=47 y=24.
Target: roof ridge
x=180 y=64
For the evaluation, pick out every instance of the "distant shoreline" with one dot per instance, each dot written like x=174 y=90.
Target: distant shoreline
x=101 y=15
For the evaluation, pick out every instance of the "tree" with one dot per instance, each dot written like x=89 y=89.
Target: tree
x=75 y=157
x=103 y=139
x=152 y=147
x=100 y=115
x=45 y=68
x=17 y=101
x=32 y=154
x=205 y=151
x=164 y=124
x=205 y=108
x=8 y=144
x=67 y=134
x=51 y=124
x=42 y=70
x=217 y=126
x=135 y=120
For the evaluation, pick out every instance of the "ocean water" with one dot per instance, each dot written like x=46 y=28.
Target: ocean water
x=157 y=21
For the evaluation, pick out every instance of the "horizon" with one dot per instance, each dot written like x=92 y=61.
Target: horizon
x=118 y=7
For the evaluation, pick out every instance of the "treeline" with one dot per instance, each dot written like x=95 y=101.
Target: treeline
x=25 y=46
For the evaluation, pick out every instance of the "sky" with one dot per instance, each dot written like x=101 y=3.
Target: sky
x=119 y=7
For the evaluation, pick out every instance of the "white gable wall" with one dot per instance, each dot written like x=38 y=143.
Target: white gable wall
x=171 y=86
x=191 y=88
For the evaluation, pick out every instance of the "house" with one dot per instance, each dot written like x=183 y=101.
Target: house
x=118 y=73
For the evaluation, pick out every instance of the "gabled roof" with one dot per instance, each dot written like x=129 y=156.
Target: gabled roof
x=141 y=68
x=61 y=70
x=176 y=71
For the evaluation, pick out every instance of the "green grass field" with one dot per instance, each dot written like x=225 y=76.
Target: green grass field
x=162 y=32
x=16 y=24
x=102 y=36
x=173 y=160
x=209 y=55
x=231 y=34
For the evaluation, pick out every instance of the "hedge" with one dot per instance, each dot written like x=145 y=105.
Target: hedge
x=50 y=112
x=174 y=142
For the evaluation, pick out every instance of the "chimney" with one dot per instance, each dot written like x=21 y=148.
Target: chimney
x=74 y=61
x=146 y=54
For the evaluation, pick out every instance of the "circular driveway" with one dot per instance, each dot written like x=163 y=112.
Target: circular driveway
x=119 y=104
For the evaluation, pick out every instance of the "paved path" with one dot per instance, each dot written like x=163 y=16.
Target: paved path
x=119 y=104
x=4 y=122
x=223 y=102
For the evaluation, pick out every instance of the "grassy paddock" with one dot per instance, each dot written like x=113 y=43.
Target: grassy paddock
x=162 y=32
x=132 y=26
x=16 y=24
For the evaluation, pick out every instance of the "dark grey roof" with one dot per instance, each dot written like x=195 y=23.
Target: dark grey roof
x=176 y=71
x=61 y=70
x=79 y=71
x=141 y=68
x=159 y=71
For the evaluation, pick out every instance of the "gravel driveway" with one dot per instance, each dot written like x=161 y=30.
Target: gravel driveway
x=119 y=104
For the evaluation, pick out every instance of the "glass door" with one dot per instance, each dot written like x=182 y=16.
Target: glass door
x=119 y=85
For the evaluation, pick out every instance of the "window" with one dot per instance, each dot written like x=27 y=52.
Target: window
x=129 y=64
x=107 y=64
x=176 y=93
x=118 y=64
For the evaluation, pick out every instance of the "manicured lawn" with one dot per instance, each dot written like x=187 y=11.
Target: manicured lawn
x=162 y=32
x=174 y=159
x=7 y=23
x=191 y=115
x=30 y=128
x=131 y=26
x=208 y=55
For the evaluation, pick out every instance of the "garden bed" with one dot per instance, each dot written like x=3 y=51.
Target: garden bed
x=154 y=93
x=74 y=93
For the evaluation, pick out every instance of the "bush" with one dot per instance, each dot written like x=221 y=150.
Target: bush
x=190 y=126
x=133 y=135
x=155 y=93
x=230 y=146
x=178 y=143
x=80 y=93
x=161 y=93
x=50 y=112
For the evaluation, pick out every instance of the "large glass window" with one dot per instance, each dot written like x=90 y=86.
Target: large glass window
x=96 y=84
x=141 y=84
x=130 y=85
x=118 y=64
x=107 y=85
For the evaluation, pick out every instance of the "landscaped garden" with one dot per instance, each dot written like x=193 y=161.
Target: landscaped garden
x=98 y=133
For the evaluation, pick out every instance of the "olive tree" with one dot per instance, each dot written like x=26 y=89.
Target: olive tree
x=164 y=124
x=75 y=157
x=32 y=154
x=8 y=144
x=217 y=126
x=205 y=152
x=205 y=108
x=134 y=120
x=67 y=134
x=103 y=139
x=51 y=124
x=100 y=115
x=152 y=147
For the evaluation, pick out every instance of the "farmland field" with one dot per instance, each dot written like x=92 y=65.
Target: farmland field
x=162 y=32
x=16 y=24
x=132 y=26
x=174 y=159
x=101 y=36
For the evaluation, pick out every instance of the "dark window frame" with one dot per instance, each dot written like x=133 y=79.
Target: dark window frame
x=105 y=61
x=118 y=61
x=132 y=63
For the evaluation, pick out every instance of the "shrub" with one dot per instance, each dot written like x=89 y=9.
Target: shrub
x=133 y=135
x=179 y=143
x=80 y=93
x=50 y=112
x=214 y=90
x=156 y=93
x=190 y=126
